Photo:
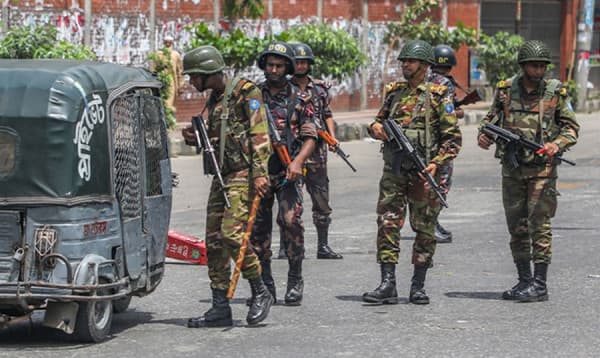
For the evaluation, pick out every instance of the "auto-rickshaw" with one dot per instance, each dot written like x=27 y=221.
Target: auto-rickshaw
x=85 y=192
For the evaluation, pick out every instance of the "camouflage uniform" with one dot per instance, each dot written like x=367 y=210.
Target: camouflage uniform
x=400 y=184
x=289 y=194
x=316 y=179
x=529 y=191
x=247 y=150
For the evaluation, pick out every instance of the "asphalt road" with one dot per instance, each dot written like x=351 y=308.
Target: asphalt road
x=466 y=317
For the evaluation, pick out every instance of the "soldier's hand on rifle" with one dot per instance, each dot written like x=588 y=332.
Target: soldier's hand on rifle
x=334 y=146
x=484 y=141
x=189 y=136
x=550 y=148
x=261 y=184
x=293 y=171
x=431 y=169
x=379 y=132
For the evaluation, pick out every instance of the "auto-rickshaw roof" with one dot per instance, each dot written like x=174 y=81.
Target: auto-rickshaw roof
x=55 y=127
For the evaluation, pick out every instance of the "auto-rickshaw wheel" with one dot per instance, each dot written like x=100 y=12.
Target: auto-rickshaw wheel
x=121 y=305
x=94 y=319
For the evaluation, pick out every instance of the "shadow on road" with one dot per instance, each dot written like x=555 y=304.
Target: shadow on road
x=483 y=295
x=355 y=298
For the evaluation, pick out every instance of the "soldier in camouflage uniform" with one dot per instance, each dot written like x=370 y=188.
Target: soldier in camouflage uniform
x=538 y=109
x=316 y=179
x=237 y=127
x=425 y=113
x=293 y=117
x=445 y=59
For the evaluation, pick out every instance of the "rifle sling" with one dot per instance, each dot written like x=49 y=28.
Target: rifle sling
x=225 y=117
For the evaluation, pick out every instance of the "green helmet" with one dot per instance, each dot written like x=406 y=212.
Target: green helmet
x=204 y=60
x=417 y=49
x=534 y=51
x=278 y=48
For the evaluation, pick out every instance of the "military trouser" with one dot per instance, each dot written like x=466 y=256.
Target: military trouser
x=395 y=192
x=446 y=177
x=529 y=198
x=317 y=186
x=225 y=229
x=289 y=219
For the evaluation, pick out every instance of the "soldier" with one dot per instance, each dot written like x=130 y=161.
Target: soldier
x=426 y=115
x=445 y=59
x=294 y=121
x=316 y=180
x=237 y=126
x=538 y=109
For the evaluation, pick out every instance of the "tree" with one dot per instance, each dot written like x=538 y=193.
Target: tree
x=243 y=8
x=498 y=55
x=41 y=42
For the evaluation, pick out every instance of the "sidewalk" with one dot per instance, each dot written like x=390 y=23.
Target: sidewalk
x=350 y=126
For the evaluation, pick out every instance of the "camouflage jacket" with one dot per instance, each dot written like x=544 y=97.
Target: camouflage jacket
x=408 y=107
x=247 y=143
x=318 y=93
x=522 y=115
x=298 y=125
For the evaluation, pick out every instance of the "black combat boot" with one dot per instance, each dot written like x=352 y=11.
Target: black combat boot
x=261 y=302
x=295 y=284
x=386 y=292
x=324 y=251
x=525 y=278
x=267 y=278
x=442 y=236
x=217 y=316
x=536 y=291
x=417 y=290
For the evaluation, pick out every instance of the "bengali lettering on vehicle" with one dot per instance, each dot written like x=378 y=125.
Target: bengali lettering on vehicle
x=93 y=114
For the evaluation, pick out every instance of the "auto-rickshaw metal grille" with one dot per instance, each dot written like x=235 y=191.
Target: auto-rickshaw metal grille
x=126 y=127
x=155 y=136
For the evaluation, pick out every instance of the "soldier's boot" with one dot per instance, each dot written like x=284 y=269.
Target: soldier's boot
x=295 y=284
x=442 y=236
x=417 y=288
x=219 y=315
x=261 y=302
x=386 y=292
x=525 y=278
x=267 y=278
x=282 y=250
x=537 y=290
x=323 y=249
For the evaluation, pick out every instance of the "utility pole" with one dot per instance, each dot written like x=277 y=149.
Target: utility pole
x=518 y=17
x=320 y=10
x=5 y=18
x=365 y=48
x=87 y=28
x=216 y=13
x=152 y=25
x=585 y=29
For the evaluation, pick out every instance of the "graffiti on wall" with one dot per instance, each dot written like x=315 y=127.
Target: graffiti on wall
x=126 y=39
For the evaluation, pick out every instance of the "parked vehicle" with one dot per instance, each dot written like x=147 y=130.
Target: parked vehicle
x=85 y=191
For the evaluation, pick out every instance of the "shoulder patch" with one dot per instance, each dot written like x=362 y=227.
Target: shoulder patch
x=247 y=85
x=392 y=87
x=254 y=104
x=504 y=84
x=562 y=91
x=322 y=83
x=438 y=89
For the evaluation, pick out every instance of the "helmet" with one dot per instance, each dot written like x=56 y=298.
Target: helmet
x=417 y=49
x=281 y=49
x=534 y=51
x=444 y=56
x=303 y=52
x=204 y=60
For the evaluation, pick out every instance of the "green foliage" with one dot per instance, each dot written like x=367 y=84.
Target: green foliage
x=162 y=68
x=41 y=42
x=243 y=8
x=337 y=53
x=238 y=50
x=498 y=55
x=572 y=91
x=415 y=25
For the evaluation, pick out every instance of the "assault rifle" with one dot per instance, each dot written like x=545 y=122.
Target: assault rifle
x=395 y=134
x=512 y=140
x=211 y=166
x=471 y=97
x=333 y=144
x=278 y=144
